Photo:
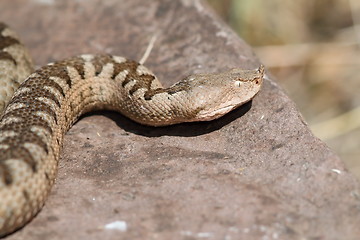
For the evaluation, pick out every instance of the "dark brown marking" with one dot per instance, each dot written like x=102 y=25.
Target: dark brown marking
x=5 y=174
x=25 y=112
x=15 y=151
x=73 y=106
x=142 y=81
x=129 y=65
x=26 y=195
x=47 y=176
x=82 y=98
x=126 y=81
x=34 y=81
x=98 y=67
x=29 y=120
x=7 y=41
x=68 y=80
x=24 y=133
x=150 y=93
x=56 y=70
x=132 y=90
x=56 y=86
x=14 y=125
x=80 y=69
x=7 y=56
x=181 y=86
x=29 y=98
x=100 y=61
x=66 y=118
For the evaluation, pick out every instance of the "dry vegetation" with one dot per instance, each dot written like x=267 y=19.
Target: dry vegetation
x=313 y=49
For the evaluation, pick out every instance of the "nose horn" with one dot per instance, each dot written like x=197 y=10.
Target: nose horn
x=261 y=70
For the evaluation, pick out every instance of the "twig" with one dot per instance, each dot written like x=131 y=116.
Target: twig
x=148 y=49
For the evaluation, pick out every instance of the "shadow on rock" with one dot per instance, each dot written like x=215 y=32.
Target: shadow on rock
x=183 y=129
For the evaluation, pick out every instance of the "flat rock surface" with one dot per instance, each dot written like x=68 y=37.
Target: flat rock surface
x=257 y=173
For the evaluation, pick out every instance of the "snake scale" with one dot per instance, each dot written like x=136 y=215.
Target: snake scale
x=37 y=109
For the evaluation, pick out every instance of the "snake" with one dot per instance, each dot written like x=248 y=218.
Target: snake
x=37 y=108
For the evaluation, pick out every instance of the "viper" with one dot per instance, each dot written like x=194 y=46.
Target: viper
x=38 y=107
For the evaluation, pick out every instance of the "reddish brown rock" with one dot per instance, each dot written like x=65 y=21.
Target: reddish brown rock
x=257 y=173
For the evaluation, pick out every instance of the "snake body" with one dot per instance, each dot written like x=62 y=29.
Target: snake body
x=50 y=100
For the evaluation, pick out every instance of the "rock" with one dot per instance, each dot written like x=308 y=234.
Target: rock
x=257 y=173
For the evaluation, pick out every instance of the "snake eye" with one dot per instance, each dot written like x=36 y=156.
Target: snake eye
x=238 y=83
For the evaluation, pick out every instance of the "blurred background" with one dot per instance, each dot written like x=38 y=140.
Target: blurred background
x=313 y=50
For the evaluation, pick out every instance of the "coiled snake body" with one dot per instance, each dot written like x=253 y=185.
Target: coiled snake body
x=51 y=99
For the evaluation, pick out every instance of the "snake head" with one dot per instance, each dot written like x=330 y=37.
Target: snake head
x=217 y=94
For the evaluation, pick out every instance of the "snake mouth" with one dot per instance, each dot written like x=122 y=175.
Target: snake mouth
x=213 y=114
